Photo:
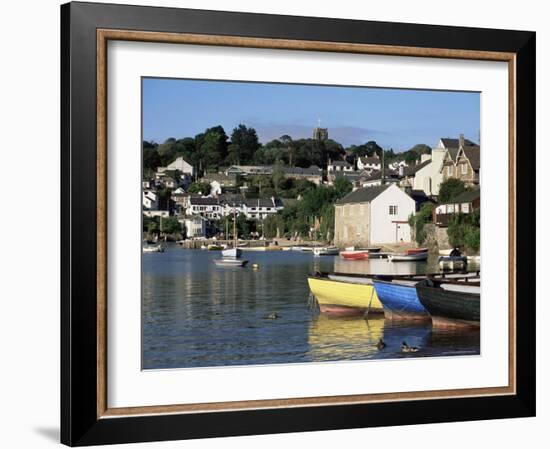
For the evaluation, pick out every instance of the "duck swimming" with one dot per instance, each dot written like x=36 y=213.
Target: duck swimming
x=380 y=345
x=406 y=348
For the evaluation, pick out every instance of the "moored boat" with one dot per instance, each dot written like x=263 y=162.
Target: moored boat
x=344 y=298
x=450 y=303
x=400 y=300
x=351 y=253
x=230 y=262
x=452 y=262
x=408 y=257
x=153 y=249
x=232 y=252
x=215 y=247
x=417 y=250
x=354 y=255
x=325 y=251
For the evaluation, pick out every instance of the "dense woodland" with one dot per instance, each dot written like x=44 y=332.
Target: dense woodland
x=213 y=149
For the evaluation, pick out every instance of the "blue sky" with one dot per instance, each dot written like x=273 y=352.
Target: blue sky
x=395 y=118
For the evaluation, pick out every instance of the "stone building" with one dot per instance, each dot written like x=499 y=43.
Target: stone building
x=373 y=216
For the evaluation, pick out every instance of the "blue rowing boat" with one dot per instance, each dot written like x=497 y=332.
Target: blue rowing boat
x=400 y=300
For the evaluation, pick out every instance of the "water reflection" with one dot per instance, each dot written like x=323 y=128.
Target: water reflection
x=195 y=314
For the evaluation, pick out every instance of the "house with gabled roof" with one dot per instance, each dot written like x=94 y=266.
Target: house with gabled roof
x=461 y=161
x=373 y=216
x=369 y=163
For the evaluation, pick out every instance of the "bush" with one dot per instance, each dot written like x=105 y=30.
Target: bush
x=450 y=188
x=417 y=222
x=464 y=231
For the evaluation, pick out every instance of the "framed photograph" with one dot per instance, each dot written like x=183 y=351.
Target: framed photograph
x=276 y=224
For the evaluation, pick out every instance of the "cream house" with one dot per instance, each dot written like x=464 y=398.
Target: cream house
x=372 y=216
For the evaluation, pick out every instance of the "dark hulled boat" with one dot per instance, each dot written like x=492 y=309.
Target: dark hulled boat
x=450 y=304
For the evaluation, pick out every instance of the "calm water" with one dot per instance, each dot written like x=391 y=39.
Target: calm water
x=196 y=314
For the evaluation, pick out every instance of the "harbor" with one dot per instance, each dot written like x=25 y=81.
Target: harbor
x=198 y=314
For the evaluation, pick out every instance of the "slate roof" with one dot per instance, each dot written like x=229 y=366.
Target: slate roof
x=203 y=201
x=452 y=145
x=312 y=170
x=377 y=174
x=340 y=163
x=363 y=195
x=412 y=169
x=465 y=197
x=472 y=153
x=259 y=202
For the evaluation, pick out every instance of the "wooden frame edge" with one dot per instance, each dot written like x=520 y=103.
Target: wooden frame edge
x=103 y=36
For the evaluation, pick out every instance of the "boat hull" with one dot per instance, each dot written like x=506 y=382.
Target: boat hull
x=400 y=301
x=408 y=257
x=325 y=251
x=355 y=255
x=230 y=262
x=452 y=262
x=449 y=309
x=417 y=250
x=344 y=298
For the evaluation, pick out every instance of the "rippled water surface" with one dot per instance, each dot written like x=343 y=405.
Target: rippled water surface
x=196 y=314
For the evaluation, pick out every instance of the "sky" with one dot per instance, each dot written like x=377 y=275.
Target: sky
x=394 y=118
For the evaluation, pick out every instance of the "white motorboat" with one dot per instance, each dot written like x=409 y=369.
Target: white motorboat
x=232 y=252
x=230 y=262
x=153 y=249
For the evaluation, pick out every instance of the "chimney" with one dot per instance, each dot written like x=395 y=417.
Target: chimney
x=461 y=141
x=401 y=170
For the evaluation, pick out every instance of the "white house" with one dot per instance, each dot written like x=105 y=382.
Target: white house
x=397 y=164
x=195 y=226
x=369 y=163
x=335 y=167
x=373 y=216
x=261 y=208
x=149 y=200
x=429 y=177
x=205 y=207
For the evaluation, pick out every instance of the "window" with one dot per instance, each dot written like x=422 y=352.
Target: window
x=464 y=169
x=449 y=170
x=393 y=210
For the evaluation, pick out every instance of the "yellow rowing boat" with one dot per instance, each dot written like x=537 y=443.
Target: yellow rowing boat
x=344 y=298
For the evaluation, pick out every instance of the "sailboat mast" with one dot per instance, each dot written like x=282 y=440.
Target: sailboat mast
x=234 y=226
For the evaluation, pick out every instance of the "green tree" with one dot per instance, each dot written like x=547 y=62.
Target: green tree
x=450 y=188
x=171 y=225
x=167 y=151
x=199 y=187
x=234 y=154
x=247 y=139
x=151 y=159
x=213 y=149
x=342 y=187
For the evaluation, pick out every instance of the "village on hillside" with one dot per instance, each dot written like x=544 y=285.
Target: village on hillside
x=355 y=198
